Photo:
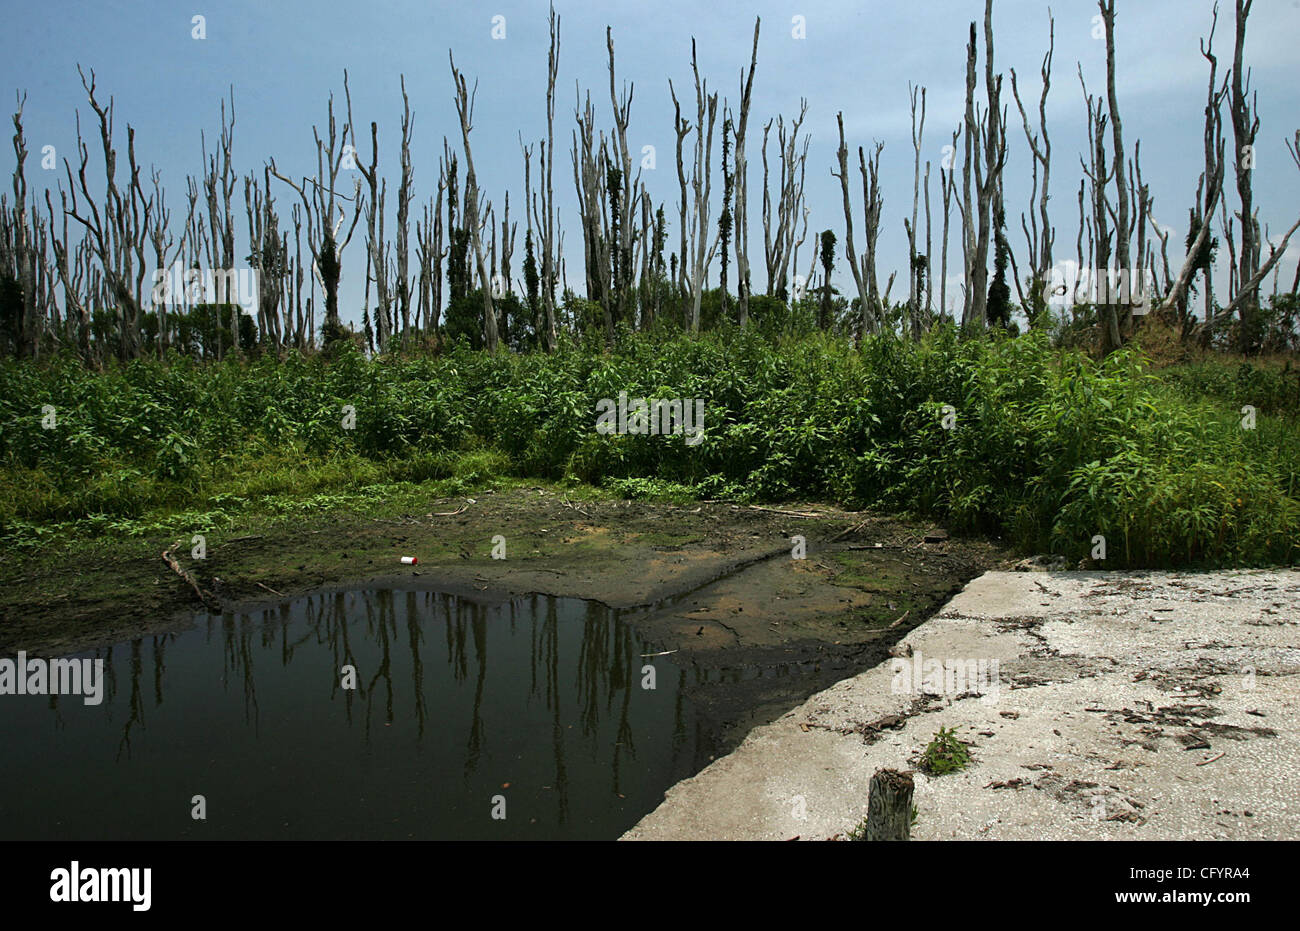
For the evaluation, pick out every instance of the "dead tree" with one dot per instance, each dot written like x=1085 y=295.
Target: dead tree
x=992 y=131
x=804 y=211
x=429 y=256
x=1040 y=236
x=1117 y=317
x=967 y=204
x=1085 y=230
x=508 y=231
x=1209 y=189
x=118 y=225
x=1163 y=235
x=73 y=266
x=375 y=238
x=591 y=182
x=465 y=111
x=266 y=256
x=1140 y=194
x=651 y=260
x=1099 y=174
x=863 y=266
x=701 y=249
x=404 y=195
x=741 y=222
x=544 y=214
x=779 y=236
x=322 y=227
x=1250 y=285
x=532 y=280
x=163 y=242
x=1295 y=156
x=725 y=217
x=948 y=186
x=1244 y=108
x=625 y=195
x=929 y=263
x=22 y=259
x=682 y=129
x=302 y=328
x=914 y=283
x=219 y=186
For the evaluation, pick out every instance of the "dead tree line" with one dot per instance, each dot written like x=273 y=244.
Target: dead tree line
x=75 y=276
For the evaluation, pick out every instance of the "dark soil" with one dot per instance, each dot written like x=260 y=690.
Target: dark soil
x=715 y=582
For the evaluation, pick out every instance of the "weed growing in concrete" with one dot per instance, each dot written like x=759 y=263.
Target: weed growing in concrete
x=945 y=754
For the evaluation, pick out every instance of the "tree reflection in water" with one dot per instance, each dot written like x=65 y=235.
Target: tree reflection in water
x=560 y=711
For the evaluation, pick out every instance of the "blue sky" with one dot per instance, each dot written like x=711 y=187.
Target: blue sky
x=284 y=58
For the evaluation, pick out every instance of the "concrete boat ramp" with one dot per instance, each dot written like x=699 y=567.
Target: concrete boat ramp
x=1096 y=705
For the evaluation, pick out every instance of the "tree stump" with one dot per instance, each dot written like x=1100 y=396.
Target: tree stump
x=889 y=806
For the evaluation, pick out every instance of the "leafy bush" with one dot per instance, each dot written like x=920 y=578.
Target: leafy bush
x=1047 y=446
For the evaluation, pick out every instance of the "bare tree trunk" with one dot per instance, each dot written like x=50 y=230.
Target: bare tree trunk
x=700 y=248
x=590 y=181
x=19 y=249
x=403 y=223
x=1039 y=233
x=742 y=186
x=1245 y=126
x=72 y=267
x=465 y=111
x=546 y=221
x=948 y=184
x=1118 y=318
x=118 y=229
x=987 y=182
x=778 y=237
x=929 y=263
x=914 y=283
x=889 y=806
x=322 y=227
x=629 y=193
x=682 y=128
x=381 y=318
x=265 y=257
x=863 y=267
x=968 y=205
x=1099 y=177
x=1208 y=190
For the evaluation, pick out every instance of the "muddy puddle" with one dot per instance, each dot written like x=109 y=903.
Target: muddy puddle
x=534 y=707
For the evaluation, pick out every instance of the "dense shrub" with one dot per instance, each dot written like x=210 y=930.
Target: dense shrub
x=1046 y=446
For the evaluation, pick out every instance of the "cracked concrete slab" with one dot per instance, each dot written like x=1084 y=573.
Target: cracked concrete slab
x=1096 y=705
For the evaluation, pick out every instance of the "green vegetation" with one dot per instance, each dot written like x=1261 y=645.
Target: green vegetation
x=1048 y=448
x=944 y=754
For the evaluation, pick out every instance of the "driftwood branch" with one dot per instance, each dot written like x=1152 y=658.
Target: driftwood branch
x=209 y=600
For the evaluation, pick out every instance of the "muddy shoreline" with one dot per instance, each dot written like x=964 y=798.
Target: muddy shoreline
x=715 y=583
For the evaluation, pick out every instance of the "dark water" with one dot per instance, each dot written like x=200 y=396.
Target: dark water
x=539 y=701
